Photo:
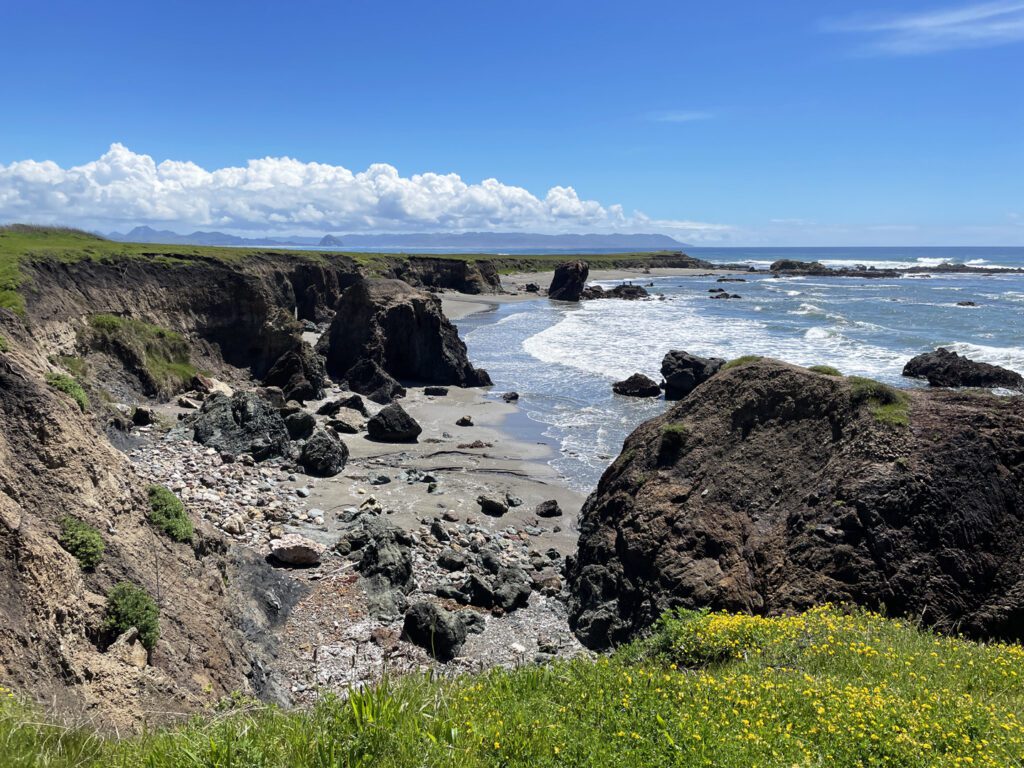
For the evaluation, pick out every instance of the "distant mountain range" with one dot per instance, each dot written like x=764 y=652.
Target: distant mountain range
x=167 y=237
x=488 y=241
x=495 y=240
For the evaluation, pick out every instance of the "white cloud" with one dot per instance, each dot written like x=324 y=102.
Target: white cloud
x=979 y=25
x=284 y=195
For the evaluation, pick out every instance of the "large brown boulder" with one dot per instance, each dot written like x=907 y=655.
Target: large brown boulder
x=945 y=368
x=569 y=281
x=386 y=332
x=771 y=489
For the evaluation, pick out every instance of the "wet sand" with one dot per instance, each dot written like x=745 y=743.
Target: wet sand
x=506 y=464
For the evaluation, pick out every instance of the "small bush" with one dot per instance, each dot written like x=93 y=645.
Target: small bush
x=3 y=344
x=163 y=354
x=825 y=370
x=673 y=436
x=73 y=365
x=888 y=405
x=81 y=540
x=69 y=386
x=131 y=606
x=168 y=514
x=741 y=361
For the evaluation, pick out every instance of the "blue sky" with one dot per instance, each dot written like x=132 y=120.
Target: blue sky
x=721 y=123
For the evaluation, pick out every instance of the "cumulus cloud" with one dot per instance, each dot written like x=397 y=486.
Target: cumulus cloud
x=284 y=195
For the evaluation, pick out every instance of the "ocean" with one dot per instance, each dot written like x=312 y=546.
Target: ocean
x=562 y=359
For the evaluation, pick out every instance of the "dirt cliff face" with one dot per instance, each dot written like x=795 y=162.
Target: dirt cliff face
x=240 y=315
x=771 y=488
x=457 y=274
x=213 y=603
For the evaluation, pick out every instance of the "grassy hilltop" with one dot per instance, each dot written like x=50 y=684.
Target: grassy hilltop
x=21 y=243
x=825 y=688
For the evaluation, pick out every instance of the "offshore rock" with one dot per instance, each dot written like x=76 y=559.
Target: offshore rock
x=569 y=281
x=945 y=368
x=683 y=372
x=637 y=385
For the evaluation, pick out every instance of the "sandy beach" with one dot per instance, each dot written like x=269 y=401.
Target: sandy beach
x=459 y=305
x=503 y=465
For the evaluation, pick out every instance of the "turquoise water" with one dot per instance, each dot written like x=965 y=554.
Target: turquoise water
x=563 y=358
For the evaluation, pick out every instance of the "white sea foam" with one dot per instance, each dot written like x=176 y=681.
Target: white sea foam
x=616 y=339
x=1007 y=357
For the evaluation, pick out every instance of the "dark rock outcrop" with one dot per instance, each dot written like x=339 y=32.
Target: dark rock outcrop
x=462 y=275
x=383 y=556
x=351 y=402
x=623 y=291
x=683 y=372
x=440 y=631
x=323 y=455
x=300 y=424
x=548 y=508
x=242 y=423
x=772 y=488
x=393 y=425
x=385 y=332
x=637 y=385
x=491 y=506
x=299 y=373
x=945 y=368
x=569 y=281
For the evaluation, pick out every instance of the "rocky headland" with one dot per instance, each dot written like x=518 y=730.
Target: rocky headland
x=770 y=488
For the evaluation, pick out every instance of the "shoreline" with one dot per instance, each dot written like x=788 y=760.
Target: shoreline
x=458 y=306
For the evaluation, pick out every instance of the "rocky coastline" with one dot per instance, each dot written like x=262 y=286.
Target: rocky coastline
x=354 y=507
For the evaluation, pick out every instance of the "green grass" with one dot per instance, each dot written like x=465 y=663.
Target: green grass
x=168 y=514
x=69 y=386
x=76 y=366
x=825 y=370
x=888 y=405
x=735 y=363
x=672 y=437
x=130 y=606
x=81 y=540
x=825 y=688
x=3 y=344
x=20 y=244
x=164 y=354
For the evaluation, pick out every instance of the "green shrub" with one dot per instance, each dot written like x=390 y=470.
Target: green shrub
x=69 y=386
x=162 y=353
x=73 y=365
x=825 y=370
x=168 y=514
x=131 y=606
x=888 y=405
x=3 y=344
x=673 y=437
x=81 y=540
x=735 y=363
